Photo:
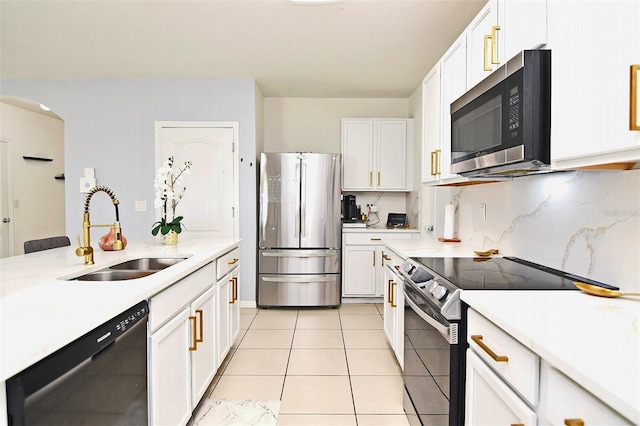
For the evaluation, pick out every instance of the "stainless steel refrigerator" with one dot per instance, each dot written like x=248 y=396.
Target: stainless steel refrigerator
x=299 y=241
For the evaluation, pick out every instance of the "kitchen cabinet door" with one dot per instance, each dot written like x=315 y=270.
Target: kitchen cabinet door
x=359 y=273
x=224 y=298
x=489 y=400
x=391 y=155
x=482 y=49
x=431 y=121
x=453 y=85
x=234 y=308
x=593 y=46
x=203 y=357
x=523 y=26
x=357 y=154
x=170 y=373
x=393 y=312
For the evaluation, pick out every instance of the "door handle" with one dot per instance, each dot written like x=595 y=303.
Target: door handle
x=201 y=316
x=6 y=220
x=194 y=333
x=392 y=293
x=494 y=44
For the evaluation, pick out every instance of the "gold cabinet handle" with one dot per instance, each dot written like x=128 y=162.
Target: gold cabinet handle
x=494 y=44
x=633 y=98
x=231 y=291
x=497 y=358
x=437 y=151
x=379 y=174
x=392 y=292
x=373 y=253
x=232 y=262
x=397 y=267
x=194 y=336
x=376 y=239
x=199 y=314
x=385 y=257
x=574 y=422
x=487 y=66
x=389 y=290
x=235 y=288
x=433 y=163
x=370 y=178
x=517 y=424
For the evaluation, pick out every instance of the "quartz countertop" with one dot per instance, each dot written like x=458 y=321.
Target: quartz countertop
x=593 y=340
x=41 y=310
x=429 y=247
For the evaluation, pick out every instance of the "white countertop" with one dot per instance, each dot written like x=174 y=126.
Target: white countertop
x=41 y=312
x=593 y=340
x=379 y=228
x=429 y=247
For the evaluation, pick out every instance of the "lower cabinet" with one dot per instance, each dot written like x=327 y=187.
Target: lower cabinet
x=393 y=312
x=363 y=260
x=507 y=383
x=192 y=325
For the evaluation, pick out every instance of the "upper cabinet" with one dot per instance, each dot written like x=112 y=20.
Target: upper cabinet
x=500 y=30
x=377 y=154
x=594 y=45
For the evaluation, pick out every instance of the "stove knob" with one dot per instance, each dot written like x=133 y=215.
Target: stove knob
x=439 y=292
x=431 y=285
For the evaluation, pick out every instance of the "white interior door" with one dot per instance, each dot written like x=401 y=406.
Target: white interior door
x=5 y=213
x=210 y=202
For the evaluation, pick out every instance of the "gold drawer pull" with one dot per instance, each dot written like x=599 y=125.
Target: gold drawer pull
x=392 y=293
x=376 y=239
x=434 y=155
x=574 y=422
x=497 y=358
x=389 y=291
x=386 y=257
x=232 y=262
x=397 y=267
x=517 y=424
x=633 y=99
x=494 y=44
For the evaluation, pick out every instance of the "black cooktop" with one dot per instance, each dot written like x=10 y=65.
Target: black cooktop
x=502 y=273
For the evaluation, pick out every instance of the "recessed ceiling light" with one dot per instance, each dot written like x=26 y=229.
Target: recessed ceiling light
x=44 y=107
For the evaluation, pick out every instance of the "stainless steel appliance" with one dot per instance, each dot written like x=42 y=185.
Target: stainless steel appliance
x=435 y=324
x=502 y=126
x=299 y=257
x=100 y=378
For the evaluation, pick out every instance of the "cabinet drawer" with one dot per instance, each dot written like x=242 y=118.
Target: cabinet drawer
x=392 y=259
x=227 y=262
x=521 y=369
x=166 y=304
x=575 y=402
x=374 y=237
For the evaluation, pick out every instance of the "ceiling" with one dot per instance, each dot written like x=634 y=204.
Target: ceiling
x=347 y=49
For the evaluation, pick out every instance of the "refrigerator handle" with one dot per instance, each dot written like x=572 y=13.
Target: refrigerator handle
x=297 y=216
x=303 y=203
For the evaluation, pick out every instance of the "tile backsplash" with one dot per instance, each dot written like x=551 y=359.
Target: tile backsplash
x=584 y=222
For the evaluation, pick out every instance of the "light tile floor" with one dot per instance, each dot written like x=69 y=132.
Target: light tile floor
x=325 y=366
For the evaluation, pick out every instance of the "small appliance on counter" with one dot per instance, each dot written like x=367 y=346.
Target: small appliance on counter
x=396 y=220
x=350 y=211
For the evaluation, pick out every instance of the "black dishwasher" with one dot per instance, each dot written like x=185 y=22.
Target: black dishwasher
x=100 y=378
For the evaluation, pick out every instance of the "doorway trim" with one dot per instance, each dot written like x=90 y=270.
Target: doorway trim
x=6 y=175
x=234 y=125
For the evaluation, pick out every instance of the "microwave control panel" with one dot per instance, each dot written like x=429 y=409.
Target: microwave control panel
x=514 y=112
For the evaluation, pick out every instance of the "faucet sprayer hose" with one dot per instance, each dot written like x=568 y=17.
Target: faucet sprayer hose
x=101 y=188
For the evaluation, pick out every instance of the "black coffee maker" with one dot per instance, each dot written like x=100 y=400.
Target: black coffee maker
x=349 y=209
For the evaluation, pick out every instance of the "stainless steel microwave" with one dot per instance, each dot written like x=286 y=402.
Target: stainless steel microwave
x=502 y=126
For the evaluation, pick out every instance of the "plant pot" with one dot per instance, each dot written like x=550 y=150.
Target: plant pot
x=169 y=239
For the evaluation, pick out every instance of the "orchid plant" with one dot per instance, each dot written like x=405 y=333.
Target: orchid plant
x=169 y=188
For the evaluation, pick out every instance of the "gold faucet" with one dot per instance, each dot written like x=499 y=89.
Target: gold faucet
x=86 y=250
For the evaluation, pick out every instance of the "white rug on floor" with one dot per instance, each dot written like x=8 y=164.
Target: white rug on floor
x=236 y=412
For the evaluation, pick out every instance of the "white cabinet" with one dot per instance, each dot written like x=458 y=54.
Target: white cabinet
x=393 y=312
x=228 y=324
x=593 y=46
x=499 y=31
x=431 y=123
x=181 y=347
x=377 y=154
x=363 y=260
x=169 y=365
x=508 y=383
x=576 y=404
x=489 y=400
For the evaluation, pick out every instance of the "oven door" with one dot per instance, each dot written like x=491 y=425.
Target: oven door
x=433 y=365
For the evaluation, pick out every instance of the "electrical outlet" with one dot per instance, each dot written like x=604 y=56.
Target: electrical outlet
x=372 y=208
x=141 y=206
x=483 y=211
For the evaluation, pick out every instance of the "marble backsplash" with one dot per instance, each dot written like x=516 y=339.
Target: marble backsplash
x=586 y=222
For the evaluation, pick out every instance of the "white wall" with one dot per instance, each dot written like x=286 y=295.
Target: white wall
x=37 y=198
x=313 y=124
x=109 y=125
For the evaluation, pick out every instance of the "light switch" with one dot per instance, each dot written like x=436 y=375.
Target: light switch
x=141 y=206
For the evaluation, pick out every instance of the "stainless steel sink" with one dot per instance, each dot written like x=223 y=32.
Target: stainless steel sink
x=148 y=263
x=131 y=269
x=114 y=275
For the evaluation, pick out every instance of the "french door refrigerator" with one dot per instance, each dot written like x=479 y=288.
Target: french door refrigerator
x=299 y=258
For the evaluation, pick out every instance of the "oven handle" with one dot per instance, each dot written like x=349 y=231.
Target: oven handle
x=444 y=330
